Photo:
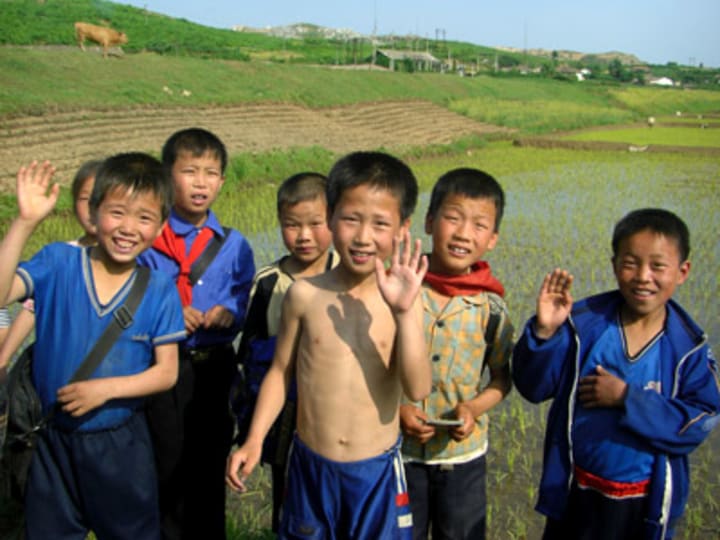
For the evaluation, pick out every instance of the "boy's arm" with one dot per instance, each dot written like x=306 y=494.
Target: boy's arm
x=399 y=287
x=540 y=355
x=273 y=389
x=36 y=199
x=554 y=303
x=17 y=334
x=82 y=397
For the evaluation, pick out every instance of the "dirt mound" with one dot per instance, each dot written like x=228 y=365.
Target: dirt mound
x=68 y=139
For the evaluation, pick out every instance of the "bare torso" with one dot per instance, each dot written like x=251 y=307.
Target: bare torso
x=348 y=386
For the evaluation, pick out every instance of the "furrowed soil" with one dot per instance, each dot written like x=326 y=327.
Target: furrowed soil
x=70 y=138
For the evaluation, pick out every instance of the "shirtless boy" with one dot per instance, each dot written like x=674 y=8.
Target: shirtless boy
x=354 y=338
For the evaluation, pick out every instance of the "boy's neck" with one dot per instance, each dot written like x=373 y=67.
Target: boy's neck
x=108 y=276
x=639 y=328
x=197 y=220
x=298 y=269
x=355 y=282
x=87 y=240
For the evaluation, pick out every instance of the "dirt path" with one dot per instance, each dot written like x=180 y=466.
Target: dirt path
x=68 y=139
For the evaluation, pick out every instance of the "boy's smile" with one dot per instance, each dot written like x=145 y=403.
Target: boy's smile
x=364 y=223
x=463 y=230
x=197 y=181
x=648 y=269
x=127 y=224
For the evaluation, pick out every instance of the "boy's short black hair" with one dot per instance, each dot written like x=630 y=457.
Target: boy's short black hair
x=471 y=183
x=85 y=171
x=657 y=220
x=301 y=187
x=375 y=169
x=197 y=142
x=134 y=171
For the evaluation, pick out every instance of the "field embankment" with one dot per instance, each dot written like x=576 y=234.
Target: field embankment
x=68 y=139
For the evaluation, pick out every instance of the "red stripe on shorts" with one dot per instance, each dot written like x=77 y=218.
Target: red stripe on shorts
x=402 y=499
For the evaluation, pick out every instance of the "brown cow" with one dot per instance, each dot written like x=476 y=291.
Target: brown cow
x=99 y=34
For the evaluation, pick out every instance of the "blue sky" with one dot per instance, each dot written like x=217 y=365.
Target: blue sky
x=656 y=31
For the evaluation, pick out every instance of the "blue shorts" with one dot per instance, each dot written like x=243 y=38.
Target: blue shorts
x=102 y=481
x=355 y=500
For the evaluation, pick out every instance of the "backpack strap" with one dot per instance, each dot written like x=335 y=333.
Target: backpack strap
x=122 y=318
x=201 y=264
x=490 y=331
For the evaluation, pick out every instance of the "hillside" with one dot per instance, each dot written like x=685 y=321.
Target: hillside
x=49 y=22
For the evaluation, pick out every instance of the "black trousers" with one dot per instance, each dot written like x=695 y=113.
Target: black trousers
x=192 y=429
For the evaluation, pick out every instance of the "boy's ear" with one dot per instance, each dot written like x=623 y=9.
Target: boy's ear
x=160 y=229
x=493 y=241
x=684 y=272
x=428 y=223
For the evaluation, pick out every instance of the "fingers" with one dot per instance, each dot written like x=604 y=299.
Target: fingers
x=558 y=281
x=232 y=479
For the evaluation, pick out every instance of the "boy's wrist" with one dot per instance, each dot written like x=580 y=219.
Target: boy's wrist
x=543 y=332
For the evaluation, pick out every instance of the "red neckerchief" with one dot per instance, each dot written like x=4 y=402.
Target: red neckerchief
x=479 y=279
x=173 y=245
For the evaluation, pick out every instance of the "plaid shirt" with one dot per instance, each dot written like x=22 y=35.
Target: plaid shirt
x=456 y=342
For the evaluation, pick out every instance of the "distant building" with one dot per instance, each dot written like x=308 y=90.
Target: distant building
x=420 y=61
x=662 y=81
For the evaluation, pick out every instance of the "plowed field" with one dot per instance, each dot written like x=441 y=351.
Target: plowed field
x=68 y=139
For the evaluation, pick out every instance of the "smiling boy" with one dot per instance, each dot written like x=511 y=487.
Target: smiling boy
x=634 y=387
x=191 y=425
x=353 y=337
x=97 y=422
x=446 y=465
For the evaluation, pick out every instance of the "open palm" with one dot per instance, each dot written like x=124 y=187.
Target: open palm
x=400 y=283
x=36 y=197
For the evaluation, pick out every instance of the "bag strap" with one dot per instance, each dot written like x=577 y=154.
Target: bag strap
x=122 y=318
x=490 y=331
x=201 y=264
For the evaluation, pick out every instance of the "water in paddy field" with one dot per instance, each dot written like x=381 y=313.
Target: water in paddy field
x=564 y=216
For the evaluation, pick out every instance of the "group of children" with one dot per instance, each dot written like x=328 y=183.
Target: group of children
x=362 y=368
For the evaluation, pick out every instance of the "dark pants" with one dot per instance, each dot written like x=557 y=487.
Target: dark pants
x=450 y=500
x=101 y=481
x=192 y=432
x=591 y=516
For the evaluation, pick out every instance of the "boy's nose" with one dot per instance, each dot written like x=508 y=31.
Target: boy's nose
x=363 y=235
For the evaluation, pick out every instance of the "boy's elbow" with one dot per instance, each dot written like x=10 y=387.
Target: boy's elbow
x=418 y=392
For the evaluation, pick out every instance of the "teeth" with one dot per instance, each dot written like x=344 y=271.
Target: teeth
x=461 y=251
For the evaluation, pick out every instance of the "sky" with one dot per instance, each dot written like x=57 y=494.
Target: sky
x=656 y=31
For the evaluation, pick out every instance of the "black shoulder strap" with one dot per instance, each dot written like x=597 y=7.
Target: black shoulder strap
x=490 y=331
x=203 y=261
x=122 y=318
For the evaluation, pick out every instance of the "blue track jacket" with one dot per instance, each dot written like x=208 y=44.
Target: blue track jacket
x=673 y=422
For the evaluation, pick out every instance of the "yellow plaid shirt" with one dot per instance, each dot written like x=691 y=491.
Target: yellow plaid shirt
x=456 y=343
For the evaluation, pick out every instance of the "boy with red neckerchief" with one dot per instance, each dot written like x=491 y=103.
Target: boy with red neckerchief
x=463 y=308
x=212 y=267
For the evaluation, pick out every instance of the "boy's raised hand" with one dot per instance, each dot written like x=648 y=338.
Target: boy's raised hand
x=35 y=195
x=554 y=303
x=400 y=284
